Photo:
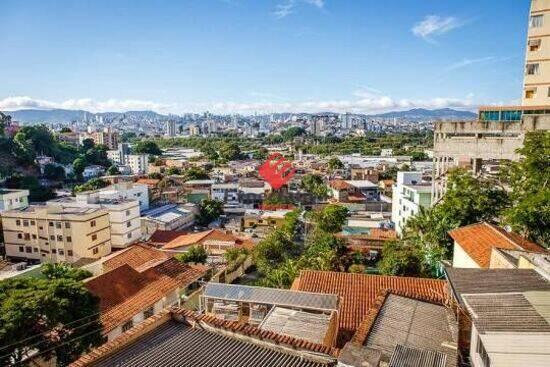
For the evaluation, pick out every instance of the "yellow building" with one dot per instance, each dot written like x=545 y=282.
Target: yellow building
x=56 y=234
x=536 y=88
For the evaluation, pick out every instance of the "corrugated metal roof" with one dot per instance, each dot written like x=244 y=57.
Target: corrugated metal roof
x=271 y=296
x=509 y=311
x=410 y=357
x=174 y=344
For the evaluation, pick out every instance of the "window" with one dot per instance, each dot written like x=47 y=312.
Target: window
x=52 y=237
x=59 y=238
x=128 y=224
x=148 y=312
x=33 y=222
x=532 y=69
x=129 y=235
x=69 y=239
x=17 y=222
x=54 y=251
x=127 y=325
x=27 y=236
x=127 y=212
x=21 y=249
x=534 y=45
x=67 y=225
x=58 y=225
x=35 y=249
x=34 y=237
x=548 y=91
x=92 y=223
x=20 y=236
x=50 y=224
x=69 y=252
x=536 y=21
x=94 y=237
x=95 y=251
x=41 y=228
x=483 y=356
x=25 y=223
x=61 y=251
x=530 y=93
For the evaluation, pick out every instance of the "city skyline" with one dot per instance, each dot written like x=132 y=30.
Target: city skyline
x=267 y=56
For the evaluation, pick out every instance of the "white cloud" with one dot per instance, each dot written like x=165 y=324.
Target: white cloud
x=289 y=6
x=115 y=105
x=365 y=102
x=435 y=25
x=467 y=62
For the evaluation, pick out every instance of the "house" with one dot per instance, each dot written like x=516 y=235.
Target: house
x=410 y=193
x=168 y=217
x=179 y=335
x=13 y=199
x=226 y=192
x=93 y=171
x=138 y=287
x=214 y=241
x=474 y=244
x=160 y=238
x=502 y=316
x=358 y=294
x=261 y=222
x=367 y=240
x=353 y=190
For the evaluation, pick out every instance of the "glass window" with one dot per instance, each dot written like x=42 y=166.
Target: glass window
x=58 y=225
x=20 y=236
x=61 y=251
x=28 y=249
x=94 y=237
x=530 y=93
x=60 y=238
x=17 y=222
x=67 y=225
x=485 y=360
x=127 y=325
x=92 y=223
x=534 y=45
x=536 y=21
x=69 y=239
x=21 y=249
x=95 y=251
x=70 y=252
x=532 y=69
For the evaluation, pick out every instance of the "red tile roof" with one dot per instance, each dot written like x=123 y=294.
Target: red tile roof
x=163 y=237
x=151 y=182
x=358 y=293
x=478 y=241
x=340 y=185
x=201 y=237
x=125 y=291
x=138 y=256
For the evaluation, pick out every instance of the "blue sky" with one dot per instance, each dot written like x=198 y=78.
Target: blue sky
x=260 y=56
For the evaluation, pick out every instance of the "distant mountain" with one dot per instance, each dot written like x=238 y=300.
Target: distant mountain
x=423 y=114
x=67 y=116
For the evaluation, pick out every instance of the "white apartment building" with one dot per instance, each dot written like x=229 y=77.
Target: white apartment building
x=129 y=191
x=170 y=128
x=409 y=195
x=124 y=215
x=138 y=163
x=13 y=199
x=536 y=85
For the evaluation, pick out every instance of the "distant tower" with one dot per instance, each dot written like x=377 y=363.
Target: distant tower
x=170 y=128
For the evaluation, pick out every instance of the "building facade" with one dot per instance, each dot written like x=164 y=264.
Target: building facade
x=138 y=163
x=54 y=233
x=409 y=195
x=13 y=199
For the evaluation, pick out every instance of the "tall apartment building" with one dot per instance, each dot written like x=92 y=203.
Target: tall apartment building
x=107 y=137
x=138 y=163
x=500 y=130
x=536 y=85
x=124 y=215
x=170 y=128
x=53 y=233
x=409 y=195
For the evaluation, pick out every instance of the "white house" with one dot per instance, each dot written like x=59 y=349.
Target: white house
x=13 y=199
x=409 y=195
x=93 y=171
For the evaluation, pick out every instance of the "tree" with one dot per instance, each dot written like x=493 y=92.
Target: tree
x=331 y=218
x=37 y=192
x=79 y=165
x=273 y=250
x=65 y=130
x=54 y=172
x=196 y=254
x=64 y=271
x=293 y=132
x=93 y=184
x=334 y=163
x=315 y=185
x=195 y=173
x=230 y=151
x=51 y=317
x=401 y=259
x=209 y=210
x=173 y=171
x=529 y=179
x=87 y=144
x=113 y=170
x=147 y=147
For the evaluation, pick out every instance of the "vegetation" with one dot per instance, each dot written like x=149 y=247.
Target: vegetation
x=196 y=254
x=147 y=147
x=37 y=192
x=334 y=164
x=93 y=184
x=331 y=218
x=209 y=211
x=62 y=270
x=54 y=172
x=56 y=317
x=315 y=185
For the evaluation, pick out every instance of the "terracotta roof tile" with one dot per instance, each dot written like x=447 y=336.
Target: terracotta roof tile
x=340 y=185
x=125 y=291
x=201 y=237
x=359 y=292
x=138 y=256
x=163 y=237
x=478 y=241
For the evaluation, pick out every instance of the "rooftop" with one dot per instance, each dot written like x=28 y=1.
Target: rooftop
x=271 y=296
x=166 y=213
x=358 y=293
x=481 y=281
x=478 y=241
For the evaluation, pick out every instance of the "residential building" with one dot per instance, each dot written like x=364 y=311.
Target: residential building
x=170 y=128
x=502 y=316
x=261 y=222
x=536 y=86
x=214 y=241
x=124 y=215
x=53 y=233
x=474 y=244
x=138 y=163
x=13 y=199
x=107 y=137
x=410 y=194
x=226 y=192
x=118 y=156
x=169 y=217
x=139 y=286
x=129 y=191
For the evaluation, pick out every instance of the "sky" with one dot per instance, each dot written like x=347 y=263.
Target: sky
x=248 y=56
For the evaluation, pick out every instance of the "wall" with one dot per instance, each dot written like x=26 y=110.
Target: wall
x=461 y=259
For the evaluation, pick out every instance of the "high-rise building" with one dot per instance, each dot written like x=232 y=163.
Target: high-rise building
x=170 y=128
x=536 y=85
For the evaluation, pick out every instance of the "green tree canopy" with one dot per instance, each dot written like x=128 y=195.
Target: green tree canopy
x=209 y=211
x=331 y=218
x=196 y=254
x=147 y=147
x=315 y=185
x=54 y=172
x=93 y=184
x=334 y=163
